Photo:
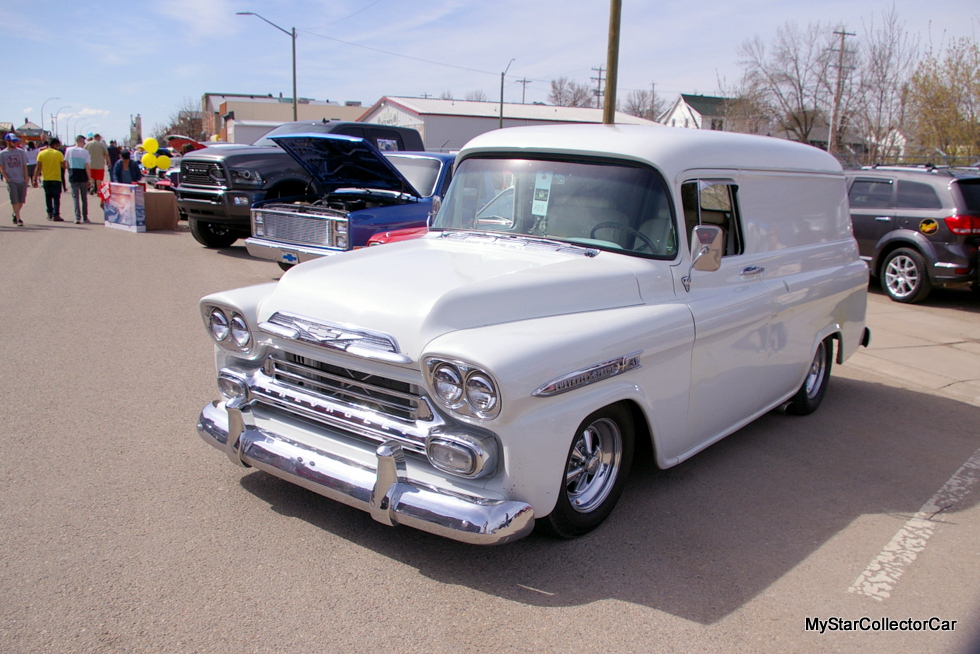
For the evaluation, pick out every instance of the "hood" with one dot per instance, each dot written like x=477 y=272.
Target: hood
x=417 y=290
x=338 y=161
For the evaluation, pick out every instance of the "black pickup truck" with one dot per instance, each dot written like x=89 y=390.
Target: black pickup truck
x=218 y=185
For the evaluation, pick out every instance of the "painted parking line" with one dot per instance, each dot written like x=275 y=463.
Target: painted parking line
x=881 y=576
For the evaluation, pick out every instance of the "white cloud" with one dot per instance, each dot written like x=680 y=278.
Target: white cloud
x=27 y=110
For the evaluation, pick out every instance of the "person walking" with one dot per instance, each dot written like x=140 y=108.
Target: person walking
x=126 y=171
x=50 y=168
x=79 y=166
x=13 y=164
x=114 y=152
x=31 y=159
x=99 y=153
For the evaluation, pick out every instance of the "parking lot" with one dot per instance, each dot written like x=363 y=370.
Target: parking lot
x=124 y=532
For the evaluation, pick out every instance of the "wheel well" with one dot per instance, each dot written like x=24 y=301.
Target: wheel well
x=287 y=189
x=643 y=453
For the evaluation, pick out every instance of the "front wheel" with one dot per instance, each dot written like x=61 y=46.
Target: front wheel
x=904 y=276
x=596 y=468
x=212 y=235
x=814 y=387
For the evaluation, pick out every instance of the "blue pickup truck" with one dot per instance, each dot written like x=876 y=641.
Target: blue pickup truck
x=358 y=191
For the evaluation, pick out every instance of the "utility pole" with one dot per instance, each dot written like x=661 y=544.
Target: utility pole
x=599 y=79
x=612 y=62
x=838 y=91
x=524 y=82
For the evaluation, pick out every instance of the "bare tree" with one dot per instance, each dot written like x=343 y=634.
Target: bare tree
x=644 y=104
x=446 y=95
x=568 y=93
x=477 y=96
x=888 y=58
x=790 y=81
x=185 y=120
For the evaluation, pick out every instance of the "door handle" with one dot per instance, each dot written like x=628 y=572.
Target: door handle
x=752 y=270
x=884 y=219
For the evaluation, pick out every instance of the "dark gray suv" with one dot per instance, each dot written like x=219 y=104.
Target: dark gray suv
x=917 y=227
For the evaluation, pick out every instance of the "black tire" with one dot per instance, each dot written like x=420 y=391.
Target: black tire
x=593 y=481
x=814 y=387
x=212 y=235
x=284 y=265
x=904 y=276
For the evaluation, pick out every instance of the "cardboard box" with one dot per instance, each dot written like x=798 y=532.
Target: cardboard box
x=126 y=208
x=161 y=209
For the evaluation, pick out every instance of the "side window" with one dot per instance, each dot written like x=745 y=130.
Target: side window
x=915 y=195
x=871 y=194
x=714 y=202
x=351 y=131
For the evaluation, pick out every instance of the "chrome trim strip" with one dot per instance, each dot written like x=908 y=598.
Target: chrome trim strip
x=264 y=249
x=385 y=492
x=590 y=375
x=360 y=342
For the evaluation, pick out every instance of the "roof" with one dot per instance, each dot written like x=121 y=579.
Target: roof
x=672 y=150
x=706 y=105
x=513 y=111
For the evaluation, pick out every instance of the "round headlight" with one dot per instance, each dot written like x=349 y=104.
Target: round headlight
x=218 y=324
x=239 y=331
x=480 y=393
x=448 y=383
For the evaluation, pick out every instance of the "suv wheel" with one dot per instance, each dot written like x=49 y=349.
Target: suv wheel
x=211 y=235
x=904 y=276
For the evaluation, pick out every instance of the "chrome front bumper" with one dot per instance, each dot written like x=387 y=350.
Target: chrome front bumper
x=384 y=491
x=286 y=252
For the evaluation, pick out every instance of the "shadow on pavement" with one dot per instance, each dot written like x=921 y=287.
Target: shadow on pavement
x=963 y=299
x=703 y=538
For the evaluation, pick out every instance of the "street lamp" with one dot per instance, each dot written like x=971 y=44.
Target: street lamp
x=54 y=119
x=292 y=35
x=42 y=114
x=502 y=91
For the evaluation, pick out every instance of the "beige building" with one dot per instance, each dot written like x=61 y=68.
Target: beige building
x=221 y=111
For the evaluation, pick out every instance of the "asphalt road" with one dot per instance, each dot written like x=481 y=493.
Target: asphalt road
x=122 y=531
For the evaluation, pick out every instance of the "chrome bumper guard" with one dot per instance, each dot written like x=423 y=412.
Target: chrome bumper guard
x=384 y=492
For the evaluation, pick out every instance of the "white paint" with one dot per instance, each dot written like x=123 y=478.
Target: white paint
x=881 y=576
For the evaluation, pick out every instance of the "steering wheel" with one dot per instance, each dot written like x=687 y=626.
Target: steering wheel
x=626 y=228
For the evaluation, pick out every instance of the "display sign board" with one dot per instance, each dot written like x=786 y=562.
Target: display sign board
x=126 y=208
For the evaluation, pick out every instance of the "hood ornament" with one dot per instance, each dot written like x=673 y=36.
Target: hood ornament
x=353 y=340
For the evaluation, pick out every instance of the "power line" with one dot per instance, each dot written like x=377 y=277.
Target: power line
x=523 y=82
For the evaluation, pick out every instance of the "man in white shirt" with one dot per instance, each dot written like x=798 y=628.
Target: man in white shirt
x=79 y=164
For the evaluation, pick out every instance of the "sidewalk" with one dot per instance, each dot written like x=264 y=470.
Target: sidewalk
x=933 y=347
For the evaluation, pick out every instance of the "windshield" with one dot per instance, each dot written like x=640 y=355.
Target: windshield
x=421 y=172
x=288 y=128
x=608 y=206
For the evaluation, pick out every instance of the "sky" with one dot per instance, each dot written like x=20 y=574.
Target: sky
x=95 y=65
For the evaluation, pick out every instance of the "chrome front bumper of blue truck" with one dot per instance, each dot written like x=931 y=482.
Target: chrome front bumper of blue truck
x=383 y=491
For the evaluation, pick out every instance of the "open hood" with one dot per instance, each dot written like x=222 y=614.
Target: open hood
x=337 y=161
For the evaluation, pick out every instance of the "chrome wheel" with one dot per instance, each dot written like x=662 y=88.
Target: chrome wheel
x=818 y=368
x=901 y=276
x=593 y=465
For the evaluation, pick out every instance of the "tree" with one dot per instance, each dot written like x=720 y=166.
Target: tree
x=888 y=56
x=944 y=98
x=567 y=93
x=446 y=95
x=644 y=104
x=477 y=96
x=790 y=82
x=185 y=120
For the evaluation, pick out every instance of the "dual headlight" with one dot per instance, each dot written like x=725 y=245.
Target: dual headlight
x=246 y=177
x=464 y=388
x=228 y=328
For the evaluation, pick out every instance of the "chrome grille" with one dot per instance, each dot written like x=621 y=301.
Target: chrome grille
x=202 y=173
x=297 y=229
x=390 y=397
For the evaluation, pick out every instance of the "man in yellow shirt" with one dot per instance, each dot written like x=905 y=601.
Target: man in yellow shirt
x=50 y=167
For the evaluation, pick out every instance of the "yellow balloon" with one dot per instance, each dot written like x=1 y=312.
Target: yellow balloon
x=151 y=145
x=163 y=162
x=149 y=160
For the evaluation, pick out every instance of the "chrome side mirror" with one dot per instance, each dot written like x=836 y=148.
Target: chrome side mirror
x=436 y=204
x=706 y=249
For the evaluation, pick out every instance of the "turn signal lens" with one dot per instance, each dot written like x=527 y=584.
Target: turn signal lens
x=452 y=457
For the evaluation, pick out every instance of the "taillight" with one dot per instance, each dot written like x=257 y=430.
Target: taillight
x=963 y=225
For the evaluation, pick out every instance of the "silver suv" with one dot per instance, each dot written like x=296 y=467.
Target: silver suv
x=917 y=227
